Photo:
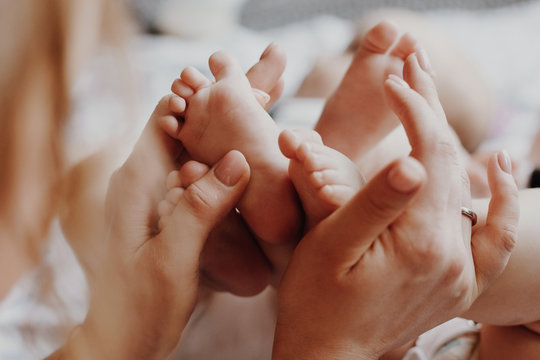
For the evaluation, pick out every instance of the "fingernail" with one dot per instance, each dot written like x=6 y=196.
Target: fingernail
x=423 y=61
x=504 y=161
x=265 y=97
x=398 y=80
x=405 y=176
x=230 y=169
x=267 y=50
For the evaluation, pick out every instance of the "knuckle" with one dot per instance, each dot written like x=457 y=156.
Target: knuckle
x=453 y=271
x=430 y=255
x=428 y=247
x=464 y=177
x=446 y=148
x=379 y=207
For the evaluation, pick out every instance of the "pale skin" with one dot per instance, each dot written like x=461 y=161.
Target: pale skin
x=408 y=179
x=311 y=160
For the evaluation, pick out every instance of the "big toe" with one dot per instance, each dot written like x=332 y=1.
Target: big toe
x=290 y=140
x=222 y=65
x=380 y=38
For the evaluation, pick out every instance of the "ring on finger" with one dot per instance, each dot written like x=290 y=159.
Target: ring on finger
x=470 y=214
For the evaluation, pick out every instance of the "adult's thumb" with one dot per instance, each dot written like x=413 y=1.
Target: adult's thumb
x=205 y=202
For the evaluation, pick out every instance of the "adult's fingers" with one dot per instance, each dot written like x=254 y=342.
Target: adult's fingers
x=493 y=242
x=138 y=185
x=346 y=234
x=416 y=104
x=266 y=74
x=203 y=205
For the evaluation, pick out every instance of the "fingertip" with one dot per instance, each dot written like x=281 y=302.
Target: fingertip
x=500 y=172
x=407 y=175
x=177 y=104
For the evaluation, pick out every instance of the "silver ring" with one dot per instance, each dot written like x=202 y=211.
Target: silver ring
x=470 y=214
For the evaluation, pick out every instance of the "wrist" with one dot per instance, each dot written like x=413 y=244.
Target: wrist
x=296 y=345
x=115 y=335
x=78 y=346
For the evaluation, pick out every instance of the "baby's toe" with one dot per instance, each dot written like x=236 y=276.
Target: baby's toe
x=327 y=177
x=165 y=208
x=177 y=105
x=336 y=194
x=290 y=140
x=180 y=88
x=222 y=65
x=173 y=180
x=191 y=172
x=314 y=156
x=194 y=78
x=174 y=195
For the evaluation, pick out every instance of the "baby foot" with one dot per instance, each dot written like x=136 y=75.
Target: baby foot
x=323 y=177
x=356 y=116
x=225 y=115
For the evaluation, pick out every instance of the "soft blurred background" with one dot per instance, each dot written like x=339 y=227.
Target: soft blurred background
x=498 y=37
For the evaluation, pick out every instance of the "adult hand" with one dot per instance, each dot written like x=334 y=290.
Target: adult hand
x=144 y=280
x=377 y=273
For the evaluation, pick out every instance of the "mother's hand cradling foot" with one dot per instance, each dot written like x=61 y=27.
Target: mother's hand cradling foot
x=146 y=281
x=397 y=259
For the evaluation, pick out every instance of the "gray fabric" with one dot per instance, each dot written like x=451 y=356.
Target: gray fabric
x=265 y=14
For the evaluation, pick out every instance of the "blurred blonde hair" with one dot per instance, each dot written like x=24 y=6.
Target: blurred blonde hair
x=36 y=46
x=35 y=39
